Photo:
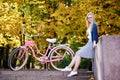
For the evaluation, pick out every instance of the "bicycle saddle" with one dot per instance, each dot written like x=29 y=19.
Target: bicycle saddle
x=53 y=40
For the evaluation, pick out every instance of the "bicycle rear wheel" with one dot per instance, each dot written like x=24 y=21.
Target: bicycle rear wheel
x=61 y=57
x=17 y=59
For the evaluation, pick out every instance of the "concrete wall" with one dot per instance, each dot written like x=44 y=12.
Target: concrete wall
x=107 y=58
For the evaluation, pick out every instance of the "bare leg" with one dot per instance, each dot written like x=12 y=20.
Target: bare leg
x=72 y=62
x=77 y=63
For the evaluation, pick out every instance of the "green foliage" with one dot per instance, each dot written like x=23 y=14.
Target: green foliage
x=85 y=63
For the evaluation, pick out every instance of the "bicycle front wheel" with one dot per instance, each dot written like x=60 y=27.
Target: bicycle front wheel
x=61 y=57
x=17 y=59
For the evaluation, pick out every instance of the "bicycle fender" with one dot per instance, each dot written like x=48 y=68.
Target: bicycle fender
x=60 y=46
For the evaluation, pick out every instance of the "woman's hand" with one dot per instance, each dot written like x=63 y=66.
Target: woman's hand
x=94 y=44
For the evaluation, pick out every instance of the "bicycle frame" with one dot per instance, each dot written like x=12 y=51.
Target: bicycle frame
x=30 y=44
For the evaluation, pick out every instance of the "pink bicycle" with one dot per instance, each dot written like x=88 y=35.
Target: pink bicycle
x=56 y=55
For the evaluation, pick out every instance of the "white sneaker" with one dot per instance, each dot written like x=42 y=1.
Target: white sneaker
x=66 y=69
x=72 y=73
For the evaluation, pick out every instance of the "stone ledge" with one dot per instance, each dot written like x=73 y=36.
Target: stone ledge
x=42 y=75
x=107 y=58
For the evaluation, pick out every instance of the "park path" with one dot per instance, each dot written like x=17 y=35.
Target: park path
x=43 y=75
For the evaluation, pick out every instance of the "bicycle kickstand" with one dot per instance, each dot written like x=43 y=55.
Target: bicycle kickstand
x=46 y=66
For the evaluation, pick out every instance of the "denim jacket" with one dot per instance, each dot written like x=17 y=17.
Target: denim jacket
x=94 y=33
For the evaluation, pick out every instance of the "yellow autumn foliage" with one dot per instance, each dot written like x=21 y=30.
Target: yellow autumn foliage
x=54 y=18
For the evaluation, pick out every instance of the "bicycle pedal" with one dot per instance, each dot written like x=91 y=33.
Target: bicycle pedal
x=43 y=58
x=46 y=58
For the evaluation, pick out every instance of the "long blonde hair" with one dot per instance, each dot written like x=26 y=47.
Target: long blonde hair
x=87 y=23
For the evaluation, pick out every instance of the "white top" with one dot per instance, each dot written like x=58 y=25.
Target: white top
x=89 y=33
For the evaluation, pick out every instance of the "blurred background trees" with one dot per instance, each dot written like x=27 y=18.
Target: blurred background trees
x=61 y=19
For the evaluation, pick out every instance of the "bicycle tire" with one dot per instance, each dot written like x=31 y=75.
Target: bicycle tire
x=63 y=50
x=16 y=63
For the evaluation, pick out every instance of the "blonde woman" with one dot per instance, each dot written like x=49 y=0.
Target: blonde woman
x=89 y=49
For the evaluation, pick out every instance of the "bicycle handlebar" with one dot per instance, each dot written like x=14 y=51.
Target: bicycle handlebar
x=37 y=35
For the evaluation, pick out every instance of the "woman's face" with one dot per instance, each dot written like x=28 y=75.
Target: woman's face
x=90 y=18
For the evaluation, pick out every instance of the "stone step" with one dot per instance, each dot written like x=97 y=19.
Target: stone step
x=42 y=75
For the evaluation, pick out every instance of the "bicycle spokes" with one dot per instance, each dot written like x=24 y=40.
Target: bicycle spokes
x=20 y=55
x=60 y=58
x=18 y=59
